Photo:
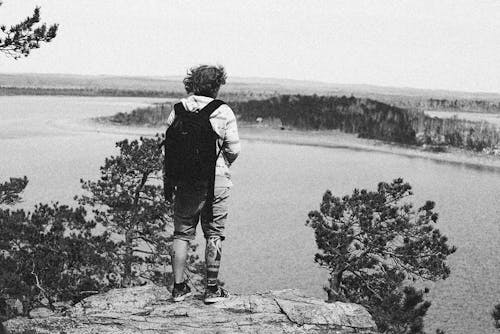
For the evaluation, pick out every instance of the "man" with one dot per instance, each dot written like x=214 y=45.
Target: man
x=195 y=199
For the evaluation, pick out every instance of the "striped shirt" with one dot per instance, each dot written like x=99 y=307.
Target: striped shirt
x=224 y=124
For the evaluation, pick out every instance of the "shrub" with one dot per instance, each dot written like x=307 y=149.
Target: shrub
x=119 y=235
x=50 y=254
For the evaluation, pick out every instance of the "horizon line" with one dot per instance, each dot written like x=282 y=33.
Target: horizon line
x=310 y=81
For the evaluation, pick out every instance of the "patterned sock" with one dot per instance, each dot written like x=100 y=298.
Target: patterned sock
x=213 y=254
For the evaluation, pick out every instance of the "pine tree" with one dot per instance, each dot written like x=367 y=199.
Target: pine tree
x=374 y=246
x=18 y=40
x=10 y=191
x=495 y=314
x=128 y=201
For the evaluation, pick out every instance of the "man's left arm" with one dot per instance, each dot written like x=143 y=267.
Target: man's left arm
x=231 y=142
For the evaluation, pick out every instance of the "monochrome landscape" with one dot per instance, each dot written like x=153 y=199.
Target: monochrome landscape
x=278 y=184
x=415 y=171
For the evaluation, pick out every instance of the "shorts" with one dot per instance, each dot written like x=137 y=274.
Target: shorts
x=190 y=206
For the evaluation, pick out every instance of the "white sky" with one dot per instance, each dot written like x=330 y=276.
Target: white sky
x=451 y=44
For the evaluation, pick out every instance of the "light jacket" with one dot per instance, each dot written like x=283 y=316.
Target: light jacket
x=224 y=124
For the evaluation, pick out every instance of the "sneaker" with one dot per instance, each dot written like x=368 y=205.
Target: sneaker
x=217 y=296
x=180 y=293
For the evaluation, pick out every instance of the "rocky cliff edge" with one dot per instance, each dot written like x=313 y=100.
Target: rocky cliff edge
x=149 y=310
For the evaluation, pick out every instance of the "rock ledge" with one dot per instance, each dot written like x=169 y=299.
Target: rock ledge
x=148 y=309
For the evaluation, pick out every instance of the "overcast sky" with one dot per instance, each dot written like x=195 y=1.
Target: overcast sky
x=428 y=44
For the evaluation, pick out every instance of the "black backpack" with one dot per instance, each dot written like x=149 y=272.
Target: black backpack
x=190 y=146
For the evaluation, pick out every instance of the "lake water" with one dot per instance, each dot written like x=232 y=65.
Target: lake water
x=276 y=185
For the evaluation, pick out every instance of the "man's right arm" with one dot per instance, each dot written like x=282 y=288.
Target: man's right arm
x=168 y=187
x=170 y=118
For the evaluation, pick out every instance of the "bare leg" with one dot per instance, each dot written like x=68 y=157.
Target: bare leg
x=180 y=249
x=213 y=253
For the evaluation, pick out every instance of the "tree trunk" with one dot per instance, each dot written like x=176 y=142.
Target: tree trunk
x=129 y=235
x=334 y=291
x=129 y=251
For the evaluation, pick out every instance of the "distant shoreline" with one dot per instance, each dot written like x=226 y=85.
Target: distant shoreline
x=322 y=138
x=87 y=92
x=337 y=139
x=326 y=139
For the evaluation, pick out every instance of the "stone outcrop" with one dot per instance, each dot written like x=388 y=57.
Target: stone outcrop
x=148 y=309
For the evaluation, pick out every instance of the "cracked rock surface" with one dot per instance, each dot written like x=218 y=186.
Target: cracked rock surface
x=148 y=309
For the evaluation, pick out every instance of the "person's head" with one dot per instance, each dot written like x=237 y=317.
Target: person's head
x=205 y=80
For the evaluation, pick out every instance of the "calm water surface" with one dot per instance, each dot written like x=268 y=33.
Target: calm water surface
x=268 y=245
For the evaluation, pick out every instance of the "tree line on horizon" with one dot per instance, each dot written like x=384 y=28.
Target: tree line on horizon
x=97 y=91
x=448 y=104
x=122 y=92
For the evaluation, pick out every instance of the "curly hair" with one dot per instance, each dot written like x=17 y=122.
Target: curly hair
x=205 y=80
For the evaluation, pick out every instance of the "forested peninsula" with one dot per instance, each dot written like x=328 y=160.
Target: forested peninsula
x=365 y=117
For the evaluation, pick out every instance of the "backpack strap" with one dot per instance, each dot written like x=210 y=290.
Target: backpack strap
x=211 y=107
x=179 y=108
x=207 y=111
